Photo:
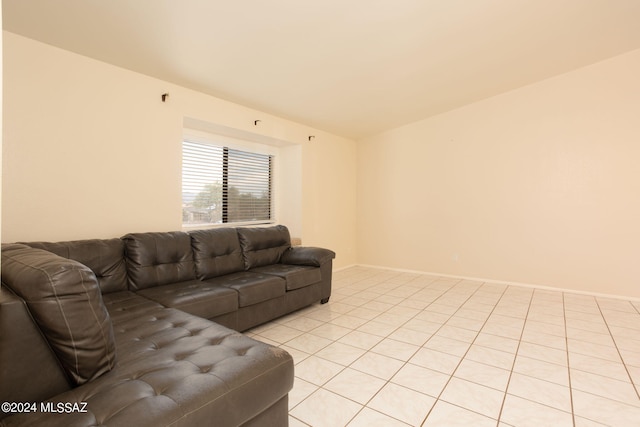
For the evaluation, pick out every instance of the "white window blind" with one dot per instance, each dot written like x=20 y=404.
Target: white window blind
x=225 y=185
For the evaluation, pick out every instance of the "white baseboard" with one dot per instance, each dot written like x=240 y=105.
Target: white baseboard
x=500 y=282
x=335 y=270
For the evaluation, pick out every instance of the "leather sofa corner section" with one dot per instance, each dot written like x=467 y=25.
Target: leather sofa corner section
x=167 y=296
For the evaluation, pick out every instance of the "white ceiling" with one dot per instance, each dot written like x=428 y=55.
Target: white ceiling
x=351 y=67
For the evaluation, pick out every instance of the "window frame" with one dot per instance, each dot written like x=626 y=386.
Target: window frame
x=230 y=143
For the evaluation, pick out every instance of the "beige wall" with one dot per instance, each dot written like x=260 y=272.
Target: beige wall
x=537 y=186
x=329 y=170
x=90 y=151
x=540 y=185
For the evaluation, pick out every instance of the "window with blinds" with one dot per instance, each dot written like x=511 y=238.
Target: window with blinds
x=224 y=185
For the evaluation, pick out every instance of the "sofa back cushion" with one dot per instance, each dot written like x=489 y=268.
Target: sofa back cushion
x=263 y=245
x=104 y=257
x=155 y=259
x=216 y=252
x=65 y=301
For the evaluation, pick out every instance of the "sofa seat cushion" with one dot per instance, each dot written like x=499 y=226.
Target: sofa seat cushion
x=296 y=276
x=126 y=304
x=180 y=370
x=252 y=288
x=201 y=299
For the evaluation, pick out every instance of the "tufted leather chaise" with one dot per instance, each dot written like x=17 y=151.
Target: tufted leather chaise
x=139 y=331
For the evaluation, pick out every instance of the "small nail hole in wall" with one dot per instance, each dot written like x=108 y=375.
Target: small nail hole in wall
x=164 y=97
x=312 y=137
x=255 y=122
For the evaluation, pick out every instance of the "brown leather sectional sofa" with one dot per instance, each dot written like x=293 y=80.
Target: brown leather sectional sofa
x=142 y=330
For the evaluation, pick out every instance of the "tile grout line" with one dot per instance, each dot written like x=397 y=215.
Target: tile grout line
x=394 y=283
x=387 y=382
x=466 y=352
x=385 y=337
x=406 y=362
x=566 y=340
x=506 y=288
x=615 y=344
x=513 y=364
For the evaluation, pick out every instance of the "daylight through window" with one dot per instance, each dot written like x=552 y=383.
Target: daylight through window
x=224 y=185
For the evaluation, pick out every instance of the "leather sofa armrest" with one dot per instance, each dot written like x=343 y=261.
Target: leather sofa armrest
x=29 y=371
x=64 y=298
x=301 y=255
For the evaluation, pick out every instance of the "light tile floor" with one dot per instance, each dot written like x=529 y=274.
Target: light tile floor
x=399 y=349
